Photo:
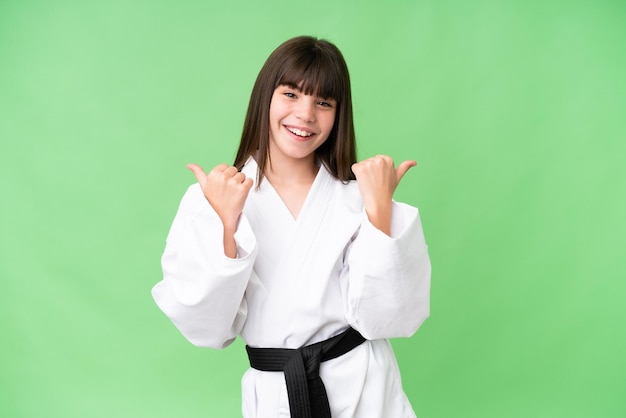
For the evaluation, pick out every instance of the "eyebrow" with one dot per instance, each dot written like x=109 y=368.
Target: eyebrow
x=292 y=86
x=299 y=90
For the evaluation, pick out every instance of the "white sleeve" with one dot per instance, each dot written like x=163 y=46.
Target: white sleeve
x=202 y=290
x=389 y=277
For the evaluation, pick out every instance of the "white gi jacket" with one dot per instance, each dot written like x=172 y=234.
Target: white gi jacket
x=299 y=281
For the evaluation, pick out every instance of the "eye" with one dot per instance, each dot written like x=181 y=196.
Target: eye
x=325 y=104
x=290 y=94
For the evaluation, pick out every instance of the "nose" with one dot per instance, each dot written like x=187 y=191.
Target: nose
x=306 y=109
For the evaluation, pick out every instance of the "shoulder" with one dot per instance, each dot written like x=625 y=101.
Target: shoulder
x=193 y=193
x=250 y=169
x=346 y=196
x=348 y=190
x=193 y=200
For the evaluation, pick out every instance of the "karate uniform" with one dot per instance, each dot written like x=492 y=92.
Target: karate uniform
x=299 y=281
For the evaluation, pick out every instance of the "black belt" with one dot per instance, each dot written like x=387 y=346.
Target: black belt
x=307 y=395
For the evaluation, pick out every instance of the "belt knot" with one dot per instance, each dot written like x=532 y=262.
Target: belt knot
x=305 y=389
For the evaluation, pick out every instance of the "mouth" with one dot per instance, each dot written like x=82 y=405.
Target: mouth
x=300 y=134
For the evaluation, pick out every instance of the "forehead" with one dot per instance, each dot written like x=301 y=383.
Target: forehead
x=314 y=78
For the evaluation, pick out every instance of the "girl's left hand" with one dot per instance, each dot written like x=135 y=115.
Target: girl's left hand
x=378 y=178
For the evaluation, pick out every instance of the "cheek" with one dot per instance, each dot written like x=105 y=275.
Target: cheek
x=272 y=115
x=275 y=111
x=329 y=121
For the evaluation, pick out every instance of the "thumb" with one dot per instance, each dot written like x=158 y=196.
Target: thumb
x=403 y=168
x=198 y=172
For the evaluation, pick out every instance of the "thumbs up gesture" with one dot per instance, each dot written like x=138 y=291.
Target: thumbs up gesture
x=226 y=189
x=377 y=179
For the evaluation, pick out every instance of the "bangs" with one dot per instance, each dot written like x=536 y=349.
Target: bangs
x=313 y=67
x=313 y=73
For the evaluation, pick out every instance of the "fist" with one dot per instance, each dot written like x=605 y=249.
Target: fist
x=378 y=178
x=226 y=189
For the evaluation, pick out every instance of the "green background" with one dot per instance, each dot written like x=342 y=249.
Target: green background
x=514 y=110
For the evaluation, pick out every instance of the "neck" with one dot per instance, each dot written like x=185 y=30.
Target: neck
x=291 y=171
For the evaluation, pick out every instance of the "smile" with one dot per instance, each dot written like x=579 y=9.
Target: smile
x=299 y=132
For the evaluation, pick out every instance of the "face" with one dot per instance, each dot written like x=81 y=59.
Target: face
x=299 y=124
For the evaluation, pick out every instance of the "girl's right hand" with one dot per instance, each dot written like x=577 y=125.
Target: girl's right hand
x=226 y=189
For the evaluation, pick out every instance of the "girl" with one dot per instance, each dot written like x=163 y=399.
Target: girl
x=301 y=251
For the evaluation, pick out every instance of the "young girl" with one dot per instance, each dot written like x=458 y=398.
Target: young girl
x=301 y=251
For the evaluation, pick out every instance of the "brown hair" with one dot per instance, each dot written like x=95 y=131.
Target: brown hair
x=316 y=67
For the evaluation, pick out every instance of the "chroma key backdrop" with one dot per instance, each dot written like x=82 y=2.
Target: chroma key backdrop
x=514 y=111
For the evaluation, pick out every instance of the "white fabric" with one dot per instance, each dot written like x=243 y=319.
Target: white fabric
x=299 y=281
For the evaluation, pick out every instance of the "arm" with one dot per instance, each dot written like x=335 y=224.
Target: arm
x=202 y=290
x=389 y=283
x=389 y=277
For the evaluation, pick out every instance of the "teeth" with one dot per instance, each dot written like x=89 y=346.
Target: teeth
x=299 y=132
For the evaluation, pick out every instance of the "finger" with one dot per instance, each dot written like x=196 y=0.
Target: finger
x=230 y=171
x=198 y=172
x=355 y=168
x=403 y=168
x=247 y=185
x=248 y=182
x=220 y=167
x=239 y=177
